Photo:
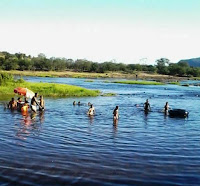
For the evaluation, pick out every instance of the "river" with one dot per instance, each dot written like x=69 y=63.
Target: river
x=63 y=146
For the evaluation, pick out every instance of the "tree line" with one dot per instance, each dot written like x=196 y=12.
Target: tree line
x=20 y=61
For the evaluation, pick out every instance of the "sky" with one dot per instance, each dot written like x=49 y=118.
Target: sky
x=127 y=31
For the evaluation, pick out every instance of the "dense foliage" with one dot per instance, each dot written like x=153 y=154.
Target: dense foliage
x=22 y=62
x=5 y=77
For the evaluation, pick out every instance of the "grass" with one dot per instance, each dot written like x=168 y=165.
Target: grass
x=174 y=83
x=140 y=82
x=119 y=74
x=46 y=89
x=60 y=74
x=106 y=81
x=88 y=80
x=108 y=94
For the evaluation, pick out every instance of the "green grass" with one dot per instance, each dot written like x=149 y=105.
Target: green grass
x=47 y=90
x=88 y=80
x=8 y=83
x=174 y=83
x=108 y=94
x=140 y=82
x=106 y=81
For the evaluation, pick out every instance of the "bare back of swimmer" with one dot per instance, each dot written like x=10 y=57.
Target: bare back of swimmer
x=116 y=113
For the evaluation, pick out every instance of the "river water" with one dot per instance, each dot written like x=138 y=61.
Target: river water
x=64 y=146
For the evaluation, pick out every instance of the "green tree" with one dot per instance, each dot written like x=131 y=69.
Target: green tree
x=162 y=65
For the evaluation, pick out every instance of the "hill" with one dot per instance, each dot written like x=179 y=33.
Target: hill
x=194 y=62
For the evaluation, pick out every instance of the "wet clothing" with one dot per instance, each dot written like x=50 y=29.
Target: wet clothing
x=34 y=108
x=24 y=108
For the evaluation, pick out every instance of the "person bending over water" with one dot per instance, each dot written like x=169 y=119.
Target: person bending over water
x=116 y=113
x=147 y=106
x=34 y=103
x=91 y=111
x=41 y=104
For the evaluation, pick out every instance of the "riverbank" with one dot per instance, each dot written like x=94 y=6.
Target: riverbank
x=140 y=82
x=46 y=89
x=120 y=75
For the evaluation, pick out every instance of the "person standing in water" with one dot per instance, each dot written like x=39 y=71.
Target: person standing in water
x=166 y=107
x=116 y=113
x=147 y=106
x=34 y=103
x=12 y=104
x=19 y=104
x=41 y=108
x=24 y=109
x=91 y=111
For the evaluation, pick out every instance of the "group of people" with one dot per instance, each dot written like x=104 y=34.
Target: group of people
x=74 y=103
x=91 y=110
x=23 y=106
x=147 y=108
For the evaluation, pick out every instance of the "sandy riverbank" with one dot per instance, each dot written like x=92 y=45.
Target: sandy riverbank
x=140 y=75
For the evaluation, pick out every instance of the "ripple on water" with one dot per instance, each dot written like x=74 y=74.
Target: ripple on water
x=65 y=146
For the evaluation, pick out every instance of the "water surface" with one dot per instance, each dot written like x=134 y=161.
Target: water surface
x=65 y=146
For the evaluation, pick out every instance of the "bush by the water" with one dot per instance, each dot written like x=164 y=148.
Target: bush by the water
x=5 y=78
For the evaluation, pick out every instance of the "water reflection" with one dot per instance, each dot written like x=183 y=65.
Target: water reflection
x=23 y=129
x=91 y=119
x=33 y=115
x=28 y=125
x=115 y=125
x=41 y=116
x=115 y=122
x=146 y=113
x=80 y=148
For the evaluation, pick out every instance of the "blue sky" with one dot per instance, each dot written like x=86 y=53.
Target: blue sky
x=128 y=31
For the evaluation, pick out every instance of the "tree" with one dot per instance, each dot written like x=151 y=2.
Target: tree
x=162 y=65
x=41 y=55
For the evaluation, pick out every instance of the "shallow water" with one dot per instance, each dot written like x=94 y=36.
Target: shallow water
x=65 y=146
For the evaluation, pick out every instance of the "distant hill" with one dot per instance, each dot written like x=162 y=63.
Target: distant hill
x=194 y=62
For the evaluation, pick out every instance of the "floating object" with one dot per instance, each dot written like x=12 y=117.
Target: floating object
x=24 y=92
x=178 y=113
